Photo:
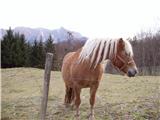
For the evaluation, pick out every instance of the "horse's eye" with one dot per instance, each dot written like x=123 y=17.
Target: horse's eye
x=127 y=54
x=124 y=53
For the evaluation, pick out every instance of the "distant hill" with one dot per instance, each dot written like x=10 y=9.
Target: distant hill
x=59 y=35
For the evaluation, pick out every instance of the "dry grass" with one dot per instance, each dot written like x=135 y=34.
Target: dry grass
x=118 y=97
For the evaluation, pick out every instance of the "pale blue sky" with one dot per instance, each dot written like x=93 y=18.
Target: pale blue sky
x=92 y=18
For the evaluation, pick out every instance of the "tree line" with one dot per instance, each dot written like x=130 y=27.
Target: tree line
x=146 y=48
x=17 y=52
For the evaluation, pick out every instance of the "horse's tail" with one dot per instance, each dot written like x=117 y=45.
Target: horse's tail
x=69 y=96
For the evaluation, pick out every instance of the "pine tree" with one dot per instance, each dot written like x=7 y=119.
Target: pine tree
x=28 y=51
x=13 y=49
x=22 y=51
x=41 y=54
x=37 y=54
x=18 y=50
x=34 y=54
x=50 y=47
x=6 y=49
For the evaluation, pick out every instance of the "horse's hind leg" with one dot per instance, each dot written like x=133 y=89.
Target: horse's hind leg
x=93 y=90
x=77 y=102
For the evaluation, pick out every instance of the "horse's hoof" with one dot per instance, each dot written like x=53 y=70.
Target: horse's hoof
x=77 y=117
x=91 y=117
x=67 y=105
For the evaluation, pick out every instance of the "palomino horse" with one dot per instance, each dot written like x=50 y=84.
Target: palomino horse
x=83 y=68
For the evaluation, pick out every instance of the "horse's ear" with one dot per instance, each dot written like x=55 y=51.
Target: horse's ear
x=121 y=40
x=121 y=43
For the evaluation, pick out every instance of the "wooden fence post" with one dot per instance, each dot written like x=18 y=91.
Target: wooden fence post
x=48 y=67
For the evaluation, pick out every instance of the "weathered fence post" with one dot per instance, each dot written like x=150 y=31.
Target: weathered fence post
x=48 y=66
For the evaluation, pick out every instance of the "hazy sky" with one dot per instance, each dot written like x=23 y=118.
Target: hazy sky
x=92 y=18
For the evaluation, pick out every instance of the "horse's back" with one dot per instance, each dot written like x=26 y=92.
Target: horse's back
x=68 y=63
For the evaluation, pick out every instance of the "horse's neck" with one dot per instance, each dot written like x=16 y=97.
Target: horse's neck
x=93 y=63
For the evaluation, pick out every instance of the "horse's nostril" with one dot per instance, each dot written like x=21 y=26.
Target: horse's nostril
x=136 y=71
x=132 y=72
x=129 y=73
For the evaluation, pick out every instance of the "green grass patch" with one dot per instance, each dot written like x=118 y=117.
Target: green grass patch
x=118 y=97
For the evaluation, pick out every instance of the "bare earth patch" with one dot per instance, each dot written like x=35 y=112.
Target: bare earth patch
x=118 y=97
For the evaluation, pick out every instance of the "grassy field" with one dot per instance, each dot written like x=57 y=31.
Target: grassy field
x=118 y=97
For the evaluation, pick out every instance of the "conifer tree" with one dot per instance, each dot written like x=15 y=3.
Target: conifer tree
x=34 y=54
x=28 y=52
x=18 y=50
x=13 y=49
x=6 y=51
x=50 y=47
x=41 y=54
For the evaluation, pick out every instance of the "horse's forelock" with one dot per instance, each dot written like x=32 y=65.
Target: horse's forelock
x=128 y=48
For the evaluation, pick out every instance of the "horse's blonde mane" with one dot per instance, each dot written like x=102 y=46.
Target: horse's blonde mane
x=102 y=45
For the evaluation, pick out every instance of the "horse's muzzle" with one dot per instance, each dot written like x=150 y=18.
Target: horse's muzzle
x=132 y=72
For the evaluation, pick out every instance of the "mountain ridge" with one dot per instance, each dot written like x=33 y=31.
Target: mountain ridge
x=59 y=35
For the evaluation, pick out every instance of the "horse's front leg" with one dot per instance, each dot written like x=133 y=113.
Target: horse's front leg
x=77 y=102
x=92 y=101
